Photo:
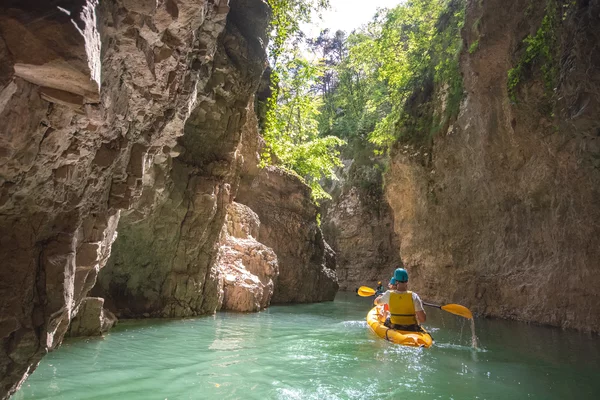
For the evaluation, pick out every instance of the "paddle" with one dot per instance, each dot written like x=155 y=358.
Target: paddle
x=365 y=291
x=456 y=309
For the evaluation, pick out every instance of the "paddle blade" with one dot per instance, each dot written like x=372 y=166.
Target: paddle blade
x=365 y=291
x=458 y=310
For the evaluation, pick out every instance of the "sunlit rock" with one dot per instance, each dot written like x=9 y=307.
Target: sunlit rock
x=288 y=225
x=249 y=268
x=163 y=262
x=502 y=212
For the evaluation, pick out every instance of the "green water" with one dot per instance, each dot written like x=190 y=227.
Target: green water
x=318 y=351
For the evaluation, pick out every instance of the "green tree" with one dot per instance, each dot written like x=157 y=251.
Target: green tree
x=287 y=16
x=375 y=85
x=291 y=129
x=401 y=54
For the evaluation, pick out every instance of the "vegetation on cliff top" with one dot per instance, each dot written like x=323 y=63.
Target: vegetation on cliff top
x=539 y=51
x=290 y=128
x=370 y=89
x=394 y=63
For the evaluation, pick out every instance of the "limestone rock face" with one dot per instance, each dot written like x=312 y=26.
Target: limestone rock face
x=91 y=318
x=506 y=218
x=360 y=229
x=164 y=258
x=248 y=268
x=97 y=105
x=241 y=222
x=250 y=149
x=288 y=225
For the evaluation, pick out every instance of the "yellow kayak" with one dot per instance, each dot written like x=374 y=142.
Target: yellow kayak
x=375 y=319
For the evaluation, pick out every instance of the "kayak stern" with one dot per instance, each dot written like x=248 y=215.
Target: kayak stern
x=375 y=319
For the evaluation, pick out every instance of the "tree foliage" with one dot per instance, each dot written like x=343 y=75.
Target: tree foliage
x=371 y=87
x=291 y=123
x=291 y=129
x=399 y=54
x=287 y=16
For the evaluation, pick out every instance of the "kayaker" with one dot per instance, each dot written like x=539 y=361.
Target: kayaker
x=380 y=289
x=405 y=307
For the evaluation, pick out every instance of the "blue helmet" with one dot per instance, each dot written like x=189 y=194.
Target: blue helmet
x=400 y=275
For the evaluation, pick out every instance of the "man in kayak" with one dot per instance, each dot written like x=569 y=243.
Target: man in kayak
x=380 y=289
x=405 y=307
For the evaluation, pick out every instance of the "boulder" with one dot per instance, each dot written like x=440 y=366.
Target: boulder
x=91 y=319
x=249 y=268
x=288 y=225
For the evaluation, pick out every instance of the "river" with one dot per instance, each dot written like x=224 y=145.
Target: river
x=318 y=351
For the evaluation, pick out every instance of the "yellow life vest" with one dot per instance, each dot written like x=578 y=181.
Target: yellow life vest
x=402 y=309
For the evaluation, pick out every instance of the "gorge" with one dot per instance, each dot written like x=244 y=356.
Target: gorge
x=498 y=208
x=131 y=180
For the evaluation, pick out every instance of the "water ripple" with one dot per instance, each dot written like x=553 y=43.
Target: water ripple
x=315 y=351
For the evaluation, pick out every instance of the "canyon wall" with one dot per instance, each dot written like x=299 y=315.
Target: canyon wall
x=164 y=257
x=288 y=225
x=102 y=104
x=249 y=268
x=503 y=215
x=136 y=116
x=359 y=225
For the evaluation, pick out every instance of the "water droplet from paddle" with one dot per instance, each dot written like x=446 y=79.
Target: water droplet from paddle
x=473 y=336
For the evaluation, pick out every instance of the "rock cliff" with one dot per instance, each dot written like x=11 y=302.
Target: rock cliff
x=288 y=224
x=91 y=319
x=359 y=225
x=248 y=268
x=127 y=105
x=503 y=216
x=137 y=114
x=164 y=257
